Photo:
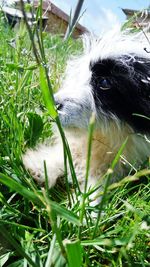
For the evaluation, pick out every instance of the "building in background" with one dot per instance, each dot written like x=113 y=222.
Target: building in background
x=58 y=20
x=54 y=19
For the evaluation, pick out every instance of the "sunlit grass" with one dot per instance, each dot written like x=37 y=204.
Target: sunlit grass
x=41 y=227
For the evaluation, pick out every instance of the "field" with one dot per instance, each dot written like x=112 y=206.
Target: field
x=41 y=227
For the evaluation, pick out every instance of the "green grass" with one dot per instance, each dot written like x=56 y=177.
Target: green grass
x=41 y=227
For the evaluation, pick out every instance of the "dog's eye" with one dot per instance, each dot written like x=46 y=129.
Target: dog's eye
x=104 y=84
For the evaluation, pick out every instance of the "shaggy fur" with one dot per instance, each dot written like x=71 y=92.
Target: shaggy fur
x=112 y=80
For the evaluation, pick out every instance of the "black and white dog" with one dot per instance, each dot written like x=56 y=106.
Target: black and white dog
x=112 y=80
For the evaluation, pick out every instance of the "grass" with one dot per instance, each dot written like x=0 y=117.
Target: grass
x=41 y=227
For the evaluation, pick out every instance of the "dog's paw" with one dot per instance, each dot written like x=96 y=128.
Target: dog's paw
x=34 y=161
x=34 y=165
x=38 y=176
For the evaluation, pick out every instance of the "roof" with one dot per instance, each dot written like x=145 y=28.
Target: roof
x=18 y=13
x=15 y=12
x=48 y=6
x=131 y=12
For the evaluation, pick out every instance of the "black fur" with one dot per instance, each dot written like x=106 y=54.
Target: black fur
x=121 y=86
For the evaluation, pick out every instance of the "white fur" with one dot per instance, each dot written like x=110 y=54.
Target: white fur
x=78 y=105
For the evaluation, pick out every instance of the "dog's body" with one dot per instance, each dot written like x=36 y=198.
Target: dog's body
x=112 y=80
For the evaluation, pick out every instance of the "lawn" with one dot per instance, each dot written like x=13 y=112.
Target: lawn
x=41 y=227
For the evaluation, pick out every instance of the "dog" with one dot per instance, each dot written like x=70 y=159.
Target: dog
x=111 y=79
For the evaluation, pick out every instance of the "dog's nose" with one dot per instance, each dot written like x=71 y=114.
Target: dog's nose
x=58 y=104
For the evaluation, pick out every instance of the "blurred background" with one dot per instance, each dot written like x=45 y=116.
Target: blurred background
x=101 y=15
x=96 y=16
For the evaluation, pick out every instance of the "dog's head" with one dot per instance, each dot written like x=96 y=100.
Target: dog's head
x=111 y=79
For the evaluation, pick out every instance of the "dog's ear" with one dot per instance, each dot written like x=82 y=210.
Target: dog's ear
x=142 y=65
x=142 y=76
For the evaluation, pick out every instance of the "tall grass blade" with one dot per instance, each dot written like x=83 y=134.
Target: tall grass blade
x=89 y=148
x=48 y=98
x=108 y=177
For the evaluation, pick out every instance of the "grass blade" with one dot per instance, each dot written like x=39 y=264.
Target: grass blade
x=48 y=99
x=38 y=199
x=74 y=253
x=64 y=213
x=16 y=245
x=108 y=176
x=19 y=188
